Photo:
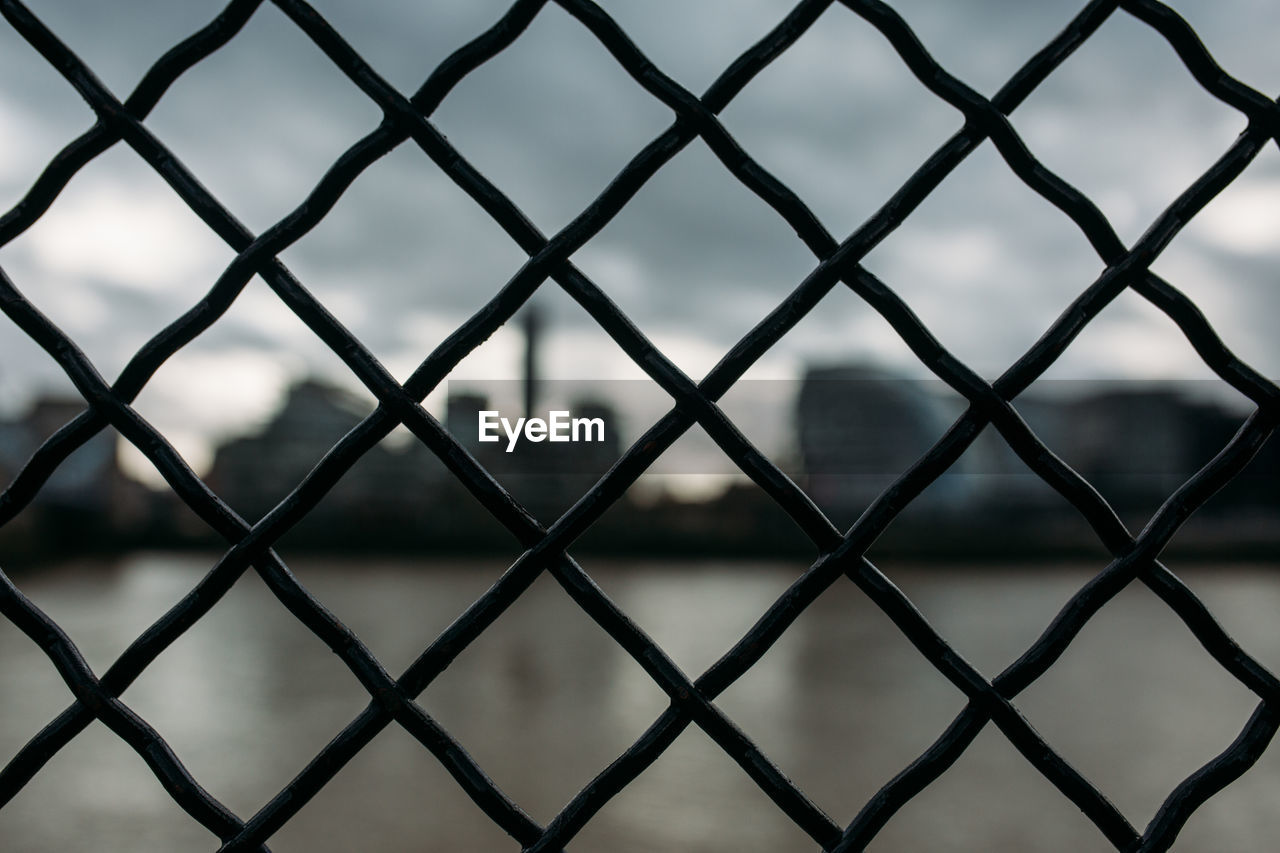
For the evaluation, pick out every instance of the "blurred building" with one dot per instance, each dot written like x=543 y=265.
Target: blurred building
x=1136 y=443
x=546 y=477
x=87 y=496
x=399 y=493
x=859 y=428
x=384 y=492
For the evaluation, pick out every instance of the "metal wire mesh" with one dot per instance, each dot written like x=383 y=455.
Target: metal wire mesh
x=841 y=554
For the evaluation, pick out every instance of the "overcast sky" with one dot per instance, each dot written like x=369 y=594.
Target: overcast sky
x=695 y=259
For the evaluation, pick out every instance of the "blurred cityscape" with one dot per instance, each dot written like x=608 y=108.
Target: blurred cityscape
x=856 y=428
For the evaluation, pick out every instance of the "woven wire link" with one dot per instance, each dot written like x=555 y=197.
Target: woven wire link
x=840 y=554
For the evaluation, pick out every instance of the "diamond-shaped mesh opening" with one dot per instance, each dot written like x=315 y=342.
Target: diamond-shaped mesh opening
x=1137 y=439
x=294 y=114
x=578 y=700
x=232 y=382
x=252 y=475
x=866 y=126
x=958 y=256
x=549 y=442
x=117 y=240
x=396 y=498
x=692 y=233
x=1128 y=727
x=573 y=101
x=810 y=693
x=860 y=429
x=565 y=331
x=549 y=167
x=1112 y=121
x=224 y=712
x=402 y=242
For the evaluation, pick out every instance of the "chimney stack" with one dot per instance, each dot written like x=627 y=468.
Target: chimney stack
x=532 y=322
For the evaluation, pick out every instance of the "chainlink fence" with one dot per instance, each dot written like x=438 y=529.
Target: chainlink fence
x=546 y=546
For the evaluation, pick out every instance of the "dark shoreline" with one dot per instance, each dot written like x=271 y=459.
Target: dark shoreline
x=954 y=545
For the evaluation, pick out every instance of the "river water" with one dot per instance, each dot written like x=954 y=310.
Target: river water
x=544 y=700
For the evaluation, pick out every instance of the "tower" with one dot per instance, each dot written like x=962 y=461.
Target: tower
x=532 y=323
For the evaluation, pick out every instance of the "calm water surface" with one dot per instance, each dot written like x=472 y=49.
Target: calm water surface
x=544 y=701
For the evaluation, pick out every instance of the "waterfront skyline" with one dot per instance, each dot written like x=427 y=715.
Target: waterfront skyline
x=694 y=259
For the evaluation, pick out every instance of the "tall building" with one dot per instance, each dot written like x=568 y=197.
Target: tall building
x=399 y=492
x=532 y=325
x=859 y=428
x=385 y=492
x=88 y=494
x=544 y=476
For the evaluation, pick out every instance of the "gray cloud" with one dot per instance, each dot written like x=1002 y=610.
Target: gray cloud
x=405 y=256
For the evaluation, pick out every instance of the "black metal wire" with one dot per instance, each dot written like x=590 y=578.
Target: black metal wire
x=546 y=547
